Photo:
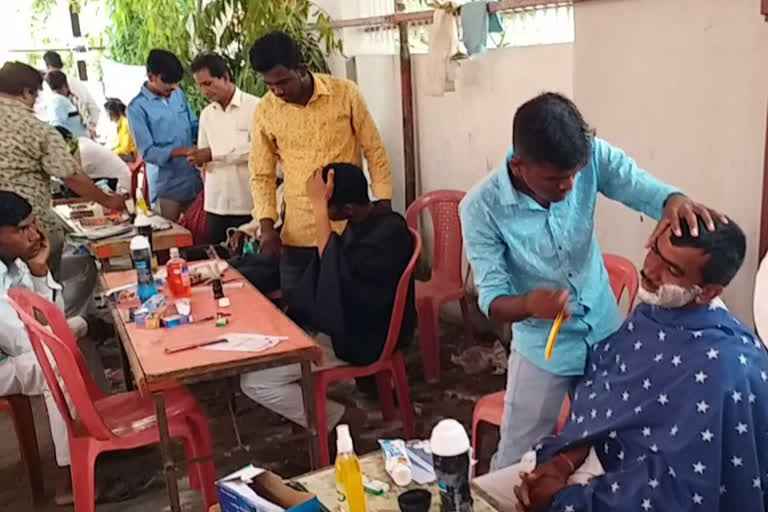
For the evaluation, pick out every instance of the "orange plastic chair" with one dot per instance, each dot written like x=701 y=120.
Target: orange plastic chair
x=389 y=367
x=107 y=423
x=490 y=408
x=20 y=409
x=623 y=276
x=447 y=283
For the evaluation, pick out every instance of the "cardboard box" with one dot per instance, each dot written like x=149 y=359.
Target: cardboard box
x=252 y=489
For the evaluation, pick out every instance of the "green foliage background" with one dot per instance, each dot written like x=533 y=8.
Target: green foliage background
x=227 y=27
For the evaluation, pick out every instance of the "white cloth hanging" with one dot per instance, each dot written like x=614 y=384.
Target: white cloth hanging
x=443 y=44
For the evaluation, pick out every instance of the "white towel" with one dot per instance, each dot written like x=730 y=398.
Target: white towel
x=444 y=41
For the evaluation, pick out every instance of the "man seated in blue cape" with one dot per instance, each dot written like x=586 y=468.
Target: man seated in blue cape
x=672 y=412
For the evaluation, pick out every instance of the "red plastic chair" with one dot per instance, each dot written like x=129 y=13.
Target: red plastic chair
x=107 y=423
x=447 y=283
x=391 y=365
x=490 y=408
x=20 y=409
x=139 y=167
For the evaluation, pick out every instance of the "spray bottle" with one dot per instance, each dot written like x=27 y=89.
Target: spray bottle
x=349 y=476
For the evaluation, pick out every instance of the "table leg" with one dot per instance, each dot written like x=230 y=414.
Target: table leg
x=307 y=391
x=126 y=366
x=232 y=406
x=169 y=467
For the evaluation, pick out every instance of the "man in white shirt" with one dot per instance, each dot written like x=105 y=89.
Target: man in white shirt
x=54 y=63
x=97 y=161
x=224 y=143
x=24 y=253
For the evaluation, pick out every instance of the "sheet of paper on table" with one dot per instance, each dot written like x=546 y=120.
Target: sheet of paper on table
x=246 y=342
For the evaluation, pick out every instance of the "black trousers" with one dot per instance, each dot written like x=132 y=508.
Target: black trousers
x=269 y=276
x=219 y=224
x=293 y=262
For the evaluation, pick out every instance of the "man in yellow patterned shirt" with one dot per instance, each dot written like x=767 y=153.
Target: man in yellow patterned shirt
x=305 y=121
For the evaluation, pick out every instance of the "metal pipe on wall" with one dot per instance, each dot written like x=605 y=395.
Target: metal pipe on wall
x=409 y=144
x=413 y=17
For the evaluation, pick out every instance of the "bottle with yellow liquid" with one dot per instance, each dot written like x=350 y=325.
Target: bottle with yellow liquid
x=349 y=477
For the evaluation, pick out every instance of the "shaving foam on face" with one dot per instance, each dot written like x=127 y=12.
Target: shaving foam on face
x=396 y=461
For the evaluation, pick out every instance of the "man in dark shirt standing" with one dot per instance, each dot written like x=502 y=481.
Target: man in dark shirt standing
x=347 y=291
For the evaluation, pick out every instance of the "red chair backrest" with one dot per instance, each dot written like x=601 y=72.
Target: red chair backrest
x=623 y=276
x=443 y=208
x=58 y=339
x=401 y=300
x=139 y=167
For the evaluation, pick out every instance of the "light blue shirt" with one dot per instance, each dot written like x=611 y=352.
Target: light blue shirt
x=62 y=112
x=515 y=245
x=160 y=125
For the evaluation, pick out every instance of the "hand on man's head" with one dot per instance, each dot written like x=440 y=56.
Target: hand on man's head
x=680 y=208
x=318 y=189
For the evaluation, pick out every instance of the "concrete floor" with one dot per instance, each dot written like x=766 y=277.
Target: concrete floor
x=275 y=443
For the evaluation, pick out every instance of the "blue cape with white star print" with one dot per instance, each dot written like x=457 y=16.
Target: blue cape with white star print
x=675 y=403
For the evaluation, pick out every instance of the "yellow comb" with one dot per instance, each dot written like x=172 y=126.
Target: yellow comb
x=553 y=335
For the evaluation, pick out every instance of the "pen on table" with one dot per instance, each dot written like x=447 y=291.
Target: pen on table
x=173 y=350
x=553 y=335
x=228 y=285
x=212 y=317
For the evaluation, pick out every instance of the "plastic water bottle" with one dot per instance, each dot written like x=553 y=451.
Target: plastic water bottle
x=141 y=255
x=178 y=276
x=144 y=228
x=451 y=454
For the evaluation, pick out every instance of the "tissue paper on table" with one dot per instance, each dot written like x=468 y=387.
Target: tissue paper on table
x=246 y=342
x=422 y=464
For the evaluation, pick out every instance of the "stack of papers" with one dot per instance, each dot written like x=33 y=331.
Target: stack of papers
x=101 y=233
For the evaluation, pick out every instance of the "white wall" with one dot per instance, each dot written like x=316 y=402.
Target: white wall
x=681 y=86
x=463 y=135
x=379 y=79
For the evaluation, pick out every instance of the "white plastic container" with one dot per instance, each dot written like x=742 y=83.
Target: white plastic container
x=396 y=461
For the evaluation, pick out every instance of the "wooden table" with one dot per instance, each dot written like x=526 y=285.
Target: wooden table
x=156 y=371
x=323 y=485
x=118 y=246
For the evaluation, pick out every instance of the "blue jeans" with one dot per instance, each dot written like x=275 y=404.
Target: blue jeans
x=531 y=408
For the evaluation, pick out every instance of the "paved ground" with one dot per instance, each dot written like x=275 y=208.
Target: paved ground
x=275 y=442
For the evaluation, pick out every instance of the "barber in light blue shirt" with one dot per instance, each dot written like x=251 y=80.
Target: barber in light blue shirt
x=165 y=131
x=530 y=238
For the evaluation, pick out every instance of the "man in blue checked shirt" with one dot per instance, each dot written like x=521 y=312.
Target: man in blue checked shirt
x=672 y=411
x=530 y=238
x=165 y=131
